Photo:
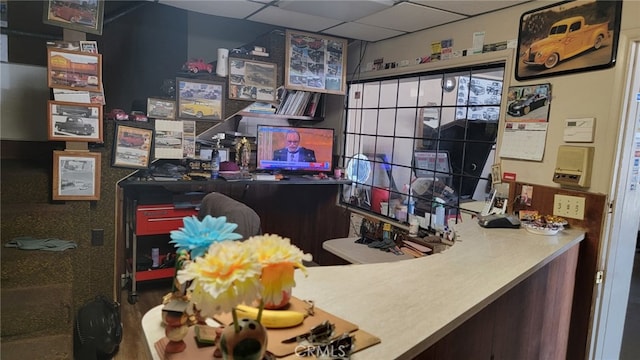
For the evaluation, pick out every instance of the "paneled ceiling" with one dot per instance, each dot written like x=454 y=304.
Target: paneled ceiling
x=369 y=20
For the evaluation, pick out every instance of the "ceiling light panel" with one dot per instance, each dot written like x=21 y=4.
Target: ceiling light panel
x=410 y=17
x=335 y=9
x=237 y=9
x=365 y=32
x=289 y=19
x=469 y=7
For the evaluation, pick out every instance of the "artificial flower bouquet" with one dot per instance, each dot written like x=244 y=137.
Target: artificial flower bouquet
x=223 y=273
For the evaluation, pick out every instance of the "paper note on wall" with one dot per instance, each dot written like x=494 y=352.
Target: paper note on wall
x=524 y=141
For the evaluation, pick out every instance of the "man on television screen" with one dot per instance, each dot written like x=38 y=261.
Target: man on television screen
x=293 y=151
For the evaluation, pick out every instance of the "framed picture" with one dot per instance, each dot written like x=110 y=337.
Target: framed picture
x=76 y=175
x=70 y=121
x=252 y=80
x=315 y=63
x=74 y=70
x=528 y=103
x=199 y=99
x=89 y=46
x=568 y=37
x=85 y=16
x=161 y=108
x=132 y=147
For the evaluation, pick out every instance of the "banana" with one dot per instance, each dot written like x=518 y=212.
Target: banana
x=275 y=319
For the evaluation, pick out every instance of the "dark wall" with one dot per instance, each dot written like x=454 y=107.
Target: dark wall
x=142 y=44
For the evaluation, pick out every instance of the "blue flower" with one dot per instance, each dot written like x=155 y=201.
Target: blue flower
x=196 y=236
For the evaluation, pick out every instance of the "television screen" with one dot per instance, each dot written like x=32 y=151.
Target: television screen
x=296 y=149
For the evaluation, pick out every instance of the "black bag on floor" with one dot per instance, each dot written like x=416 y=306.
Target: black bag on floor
x=97 y=330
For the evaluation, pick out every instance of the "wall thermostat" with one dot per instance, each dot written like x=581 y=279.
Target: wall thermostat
x=579 y=130
x=573 y=165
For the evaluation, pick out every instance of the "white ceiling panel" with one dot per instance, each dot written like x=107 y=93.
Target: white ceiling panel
x=289 y=19
x=369 y=20
x=409 y=17
x=237 y=9
x=335 y=9
x=469 y=7
x=365 y=32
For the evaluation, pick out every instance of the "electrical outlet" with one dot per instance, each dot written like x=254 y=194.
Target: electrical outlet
x=569 y=206
x=97 y=237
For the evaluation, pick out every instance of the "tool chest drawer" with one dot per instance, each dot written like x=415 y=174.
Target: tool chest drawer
x=160 y=219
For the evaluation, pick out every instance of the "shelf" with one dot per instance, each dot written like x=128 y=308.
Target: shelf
x=279 y=116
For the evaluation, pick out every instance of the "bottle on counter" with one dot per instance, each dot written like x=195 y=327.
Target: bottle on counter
x=215 y=163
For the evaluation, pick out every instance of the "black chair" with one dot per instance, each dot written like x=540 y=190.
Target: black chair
x=217 y=204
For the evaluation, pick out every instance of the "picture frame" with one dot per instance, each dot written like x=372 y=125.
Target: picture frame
x=252 y=80
x=71 y=121
x=161 y=108
x=199 y=99
x=76 y=175
x=315 y=63
x=132 y=147
x=74 y=70
x=528 y=103
x=85 y=16
x=588 y=48
x=89 y=46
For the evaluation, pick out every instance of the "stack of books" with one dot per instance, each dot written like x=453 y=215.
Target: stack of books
x=261 y=108
x=299 y=103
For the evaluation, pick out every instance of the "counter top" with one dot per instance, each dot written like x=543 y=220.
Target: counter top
x=390 y=299
x=387 y=299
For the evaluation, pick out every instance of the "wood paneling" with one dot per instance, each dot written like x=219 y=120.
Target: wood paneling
x=530 y=321
x=595 y=210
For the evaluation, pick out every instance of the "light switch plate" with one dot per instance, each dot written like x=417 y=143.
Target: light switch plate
x=569 y=206
x=579 y=130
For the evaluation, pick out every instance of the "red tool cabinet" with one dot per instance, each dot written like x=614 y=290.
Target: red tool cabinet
x=145 y=223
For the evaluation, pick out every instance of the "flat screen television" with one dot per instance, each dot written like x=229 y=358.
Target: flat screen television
x=294 y=149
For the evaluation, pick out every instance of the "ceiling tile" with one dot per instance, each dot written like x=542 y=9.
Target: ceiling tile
x=365 y=32
x=289 y=19
x=469 y=7
x=341 y=10
x=237 y=9
x=409 y=17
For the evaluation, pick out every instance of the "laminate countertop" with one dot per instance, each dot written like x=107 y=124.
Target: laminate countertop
x=411 y=304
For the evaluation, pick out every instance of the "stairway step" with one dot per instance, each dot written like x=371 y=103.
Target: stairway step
x=25 y=268
x=54 y=347
x=36 y=311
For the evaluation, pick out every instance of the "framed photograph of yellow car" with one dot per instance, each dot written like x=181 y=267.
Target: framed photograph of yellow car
x=85 y=16
x=315 y=63
x=568 y=37
x=199 y=99
x=74 y=70
x=76 y=175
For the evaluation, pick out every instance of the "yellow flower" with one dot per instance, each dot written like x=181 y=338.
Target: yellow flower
x=278 y=259
x=227 y=275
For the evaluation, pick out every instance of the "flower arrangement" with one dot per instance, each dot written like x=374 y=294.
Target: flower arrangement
x=223 y=273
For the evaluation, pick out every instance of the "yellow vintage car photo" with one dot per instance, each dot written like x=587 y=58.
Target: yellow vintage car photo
x=200 y=109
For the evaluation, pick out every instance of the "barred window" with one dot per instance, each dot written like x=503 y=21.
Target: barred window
x=421 y=141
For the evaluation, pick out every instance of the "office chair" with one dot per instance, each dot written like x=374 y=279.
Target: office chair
x=217 y=204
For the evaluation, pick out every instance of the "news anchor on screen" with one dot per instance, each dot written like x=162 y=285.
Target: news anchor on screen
x=293 y=151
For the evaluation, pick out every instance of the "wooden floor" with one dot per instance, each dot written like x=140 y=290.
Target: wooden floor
x=133 y=344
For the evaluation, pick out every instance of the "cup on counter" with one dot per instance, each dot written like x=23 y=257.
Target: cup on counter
x=337 y=173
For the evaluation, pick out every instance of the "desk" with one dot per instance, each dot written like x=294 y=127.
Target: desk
x=301 y=209
x=355 y=253
x=495 y=290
